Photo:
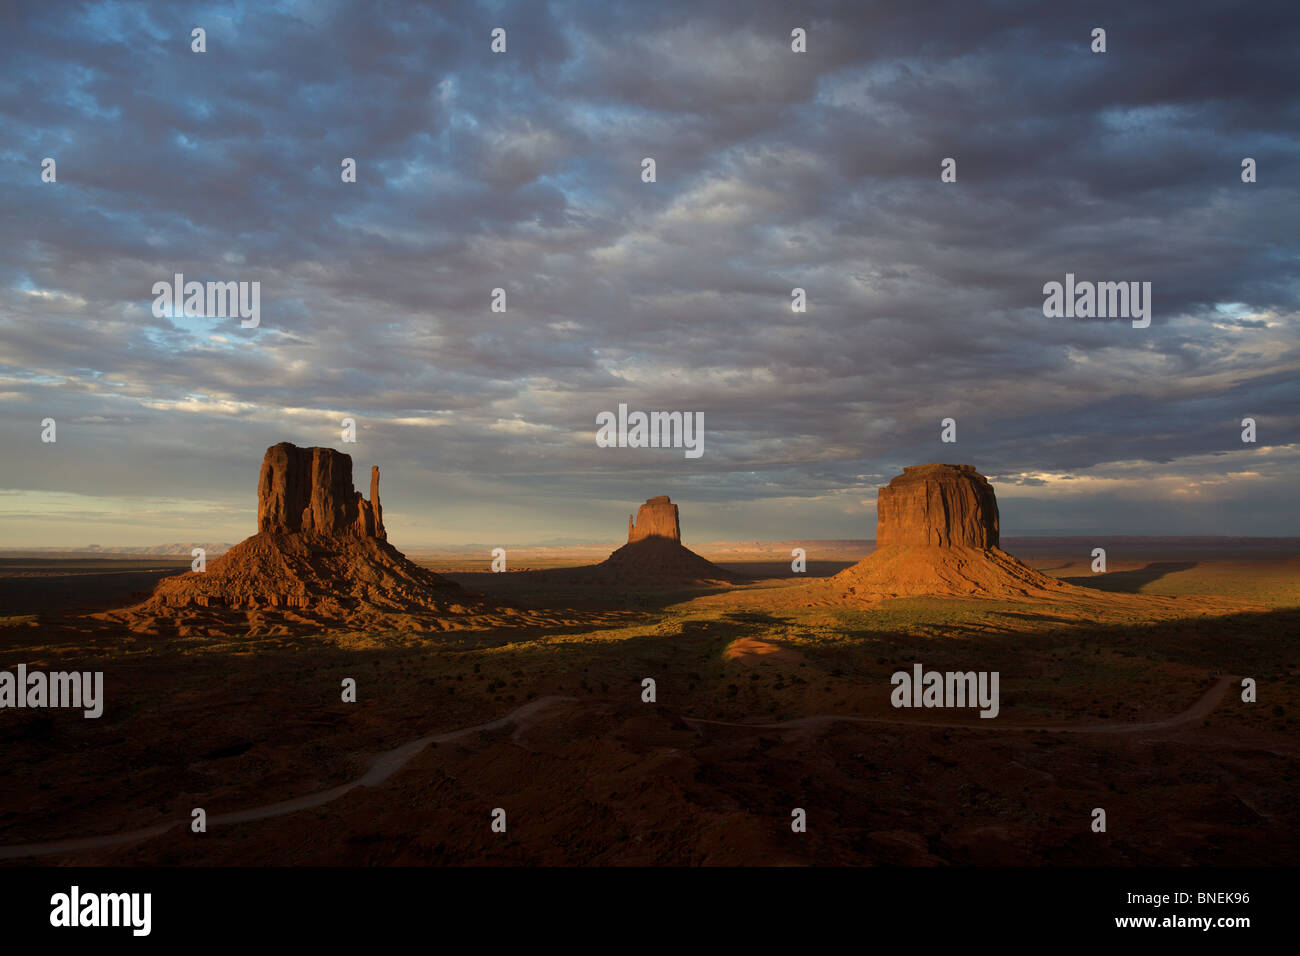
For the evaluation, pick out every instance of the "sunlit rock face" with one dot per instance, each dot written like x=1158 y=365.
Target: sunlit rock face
x=657 y=518
x=947 y=506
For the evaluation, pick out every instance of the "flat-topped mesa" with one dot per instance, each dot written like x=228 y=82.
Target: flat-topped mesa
x=657 y=518
x=310 y=490
x=951 y=506
x=937 y=535
x=654 y=555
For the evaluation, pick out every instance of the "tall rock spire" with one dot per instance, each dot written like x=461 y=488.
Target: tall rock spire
x=374 y=504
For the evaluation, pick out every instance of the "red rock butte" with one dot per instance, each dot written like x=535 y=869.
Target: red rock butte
x=320 y=558
x=310 y=489
x=654 y=555
x=949 y=506
x=937 y=534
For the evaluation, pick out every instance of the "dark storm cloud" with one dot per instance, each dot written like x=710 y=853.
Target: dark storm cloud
x=775 y=170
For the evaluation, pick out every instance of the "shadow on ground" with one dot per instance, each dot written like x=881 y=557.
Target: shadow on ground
x=1131 y=582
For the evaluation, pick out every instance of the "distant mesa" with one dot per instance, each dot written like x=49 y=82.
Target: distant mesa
x=320 y=557
x=937 y=534
x=654 y=554
x=653 y=557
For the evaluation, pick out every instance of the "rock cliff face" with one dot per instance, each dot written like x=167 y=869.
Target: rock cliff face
x=657 y=518
x=310 y=490
x=937 y=534
x=948 y=506
x=376 y=511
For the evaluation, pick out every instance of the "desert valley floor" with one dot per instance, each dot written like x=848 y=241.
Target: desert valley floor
x=1132 y=705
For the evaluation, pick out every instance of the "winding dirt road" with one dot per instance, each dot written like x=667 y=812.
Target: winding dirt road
x=389 y=762
x=383 y=767
x=1198 y=711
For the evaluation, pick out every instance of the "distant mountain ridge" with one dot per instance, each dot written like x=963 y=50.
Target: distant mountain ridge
x=174 y=549
x=1030 y=544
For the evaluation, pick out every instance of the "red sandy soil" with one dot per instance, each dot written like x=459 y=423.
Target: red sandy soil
x=752 y=651
x=897 y=571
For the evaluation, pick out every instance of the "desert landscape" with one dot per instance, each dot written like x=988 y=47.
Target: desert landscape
x=595 y=465
x=524 y=690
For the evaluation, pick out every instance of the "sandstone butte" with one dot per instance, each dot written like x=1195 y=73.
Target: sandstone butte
x=310 y=490
x=937 y=534
x=654 y=554
x=320 y=557
x=947 y=506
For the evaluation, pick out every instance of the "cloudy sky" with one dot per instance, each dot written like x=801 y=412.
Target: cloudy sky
x=523 y=171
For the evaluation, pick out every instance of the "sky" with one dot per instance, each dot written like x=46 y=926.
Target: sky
x=774 y=170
